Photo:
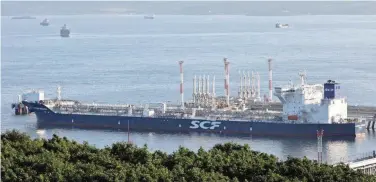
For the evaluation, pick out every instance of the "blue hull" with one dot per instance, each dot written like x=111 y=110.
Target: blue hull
x=48 y=117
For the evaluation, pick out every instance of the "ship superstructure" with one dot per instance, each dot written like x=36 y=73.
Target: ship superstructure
x=30 y=96
x=313 y=103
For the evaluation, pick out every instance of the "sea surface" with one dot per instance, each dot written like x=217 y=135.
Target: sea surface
x=127 y=59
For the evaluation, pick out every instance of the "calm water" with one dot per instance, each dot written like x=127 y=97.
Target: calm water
x=119 y=59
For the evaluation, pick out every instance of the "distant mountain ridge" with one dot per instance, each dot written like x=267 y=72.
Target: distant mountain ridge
x=252 y=8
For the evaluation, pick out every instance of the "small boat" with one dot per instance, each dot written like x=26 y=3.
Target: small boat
x=23 y=17
x=149 y=17
x=64 y=31
x=45 y=22
x=279 y=25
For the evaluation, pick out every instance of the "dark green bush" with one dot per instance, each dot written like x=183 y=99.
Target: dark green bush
x=59 y=159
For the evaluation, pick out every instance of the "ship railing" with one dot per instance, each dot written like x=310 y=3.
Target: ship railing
x=93 y=113
x=105 y=105
x=111 y=114
x=93 y=107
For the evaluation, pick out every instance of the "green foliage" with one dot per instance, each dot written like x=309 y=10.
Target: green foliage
x=59 y=159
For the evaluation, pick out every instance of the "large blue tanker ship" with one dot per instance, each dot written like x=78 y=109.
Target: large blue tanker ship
x=47 y=117
x=307 y=109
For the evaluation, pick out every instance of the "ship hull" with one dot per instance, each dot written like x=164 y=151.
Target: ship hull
x=46 y=117
x=64 y=33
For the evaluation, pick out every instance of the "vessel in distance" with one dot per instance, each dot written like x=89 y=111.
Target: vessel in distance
x=280 y=25
x=307 y=109
x=64 y=31
x=45 y=22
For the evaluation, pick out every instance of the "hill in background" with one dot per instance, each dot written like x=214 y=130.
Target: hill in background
x=253 y=8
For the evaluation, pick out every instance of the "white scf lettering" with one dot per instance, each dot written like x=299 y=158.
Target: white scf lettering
x=214 y=125
x=195 y=124
x=204 y=125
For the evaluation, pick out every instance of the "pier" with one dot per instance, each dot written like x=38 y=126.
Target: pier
x=366 y=166
x=366 y=163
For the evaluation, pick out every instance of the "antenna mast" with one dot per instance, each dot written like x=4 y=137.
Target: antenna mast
x=320 y=134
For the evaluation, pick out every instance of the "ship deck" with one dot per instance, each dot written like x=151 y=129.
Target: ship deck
x=254 y=112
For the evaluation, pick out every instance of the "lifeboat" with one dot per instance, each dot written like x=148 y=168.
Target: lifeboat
x=292 y=117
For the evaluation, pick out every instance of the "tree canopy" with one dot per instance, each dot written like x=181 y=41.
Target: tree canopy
x=60 y=159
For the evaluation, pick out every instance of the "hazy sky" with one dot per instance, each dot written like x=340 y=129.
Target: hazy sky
x=197 y=0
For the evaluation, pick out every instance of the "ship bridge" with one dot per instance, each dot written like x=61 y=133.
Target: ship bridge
x=312 y=103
